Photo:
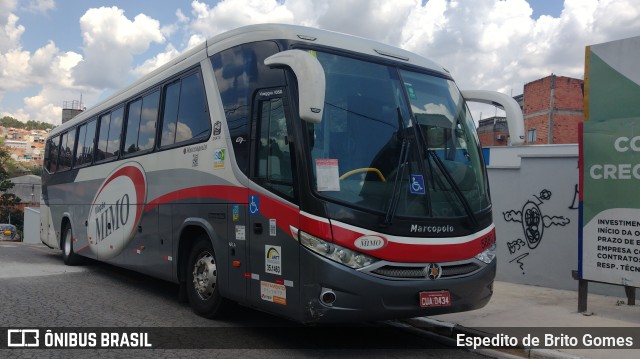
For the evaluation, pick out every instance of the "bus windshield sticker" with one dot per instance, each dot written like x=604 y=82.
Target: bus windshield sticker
x=273 y=260
x=218 y=158
x=411 y=91
x=272 y=227
x=273 y=292
x=254 y=204
x=240 y=233
x=328 y=177
x=417 y=184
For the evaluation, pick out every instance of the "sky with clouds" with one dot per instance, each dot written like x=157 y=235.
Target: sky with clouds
x=52 y=51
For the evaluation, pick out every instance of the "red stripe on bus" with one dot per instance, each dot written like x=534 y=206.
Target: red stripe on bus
x=229 y=193
x=315 y=227
x=418 y=253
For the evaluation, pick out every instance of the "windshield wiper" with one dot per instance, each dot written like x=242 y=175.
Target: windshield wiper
x=402 y=162
x=452 y=182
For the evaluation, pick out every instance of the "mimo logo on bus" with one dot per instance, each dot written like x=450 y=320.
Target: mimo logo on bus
x=116 y=210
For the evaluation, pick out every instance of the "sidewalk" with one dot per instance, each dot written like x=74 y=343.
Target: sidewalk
x=524 y=306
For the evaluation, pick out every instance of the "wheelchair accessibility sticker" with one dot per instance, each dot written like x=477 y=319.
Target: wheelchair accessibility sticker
x=254 y=204
x=417 y=185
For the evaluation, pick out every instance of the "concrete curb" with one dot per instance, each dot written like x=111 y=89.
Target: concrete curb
x=449 y=331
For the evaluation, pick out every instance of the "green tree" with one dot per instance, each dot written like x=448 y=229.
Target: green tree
x=8 y=121
x=8 y=201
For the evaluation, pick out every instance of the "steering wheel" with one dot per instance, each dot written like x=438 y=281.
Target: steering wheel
x=364 y=169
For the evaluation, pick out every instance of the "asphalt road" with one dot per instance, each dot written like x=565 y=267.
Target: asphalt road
x=38 y=291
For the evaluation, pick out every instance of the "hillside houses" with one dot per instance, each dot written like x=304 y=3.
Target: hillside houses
x=26 y=146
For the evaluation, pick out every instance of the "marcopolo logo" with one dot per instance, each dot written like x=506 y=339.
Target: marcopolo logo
x=116 y=210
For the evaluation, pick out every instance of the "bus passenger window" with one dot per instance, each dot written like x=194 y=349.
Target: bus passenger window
x=141 y=123
x=133 y=126
x=148 y=119
x=185 y=112
x=51 y=159
x=109 y=140
x=89 y=139
x=79 y=152
x=66 y=150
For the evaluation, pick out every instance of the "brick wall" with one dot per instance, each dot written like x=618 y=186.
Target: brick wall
x=566 y=112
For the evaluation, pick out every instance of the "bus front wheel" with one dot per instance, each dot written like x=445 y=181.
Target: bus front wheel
x=69 y=257
x=202 y=280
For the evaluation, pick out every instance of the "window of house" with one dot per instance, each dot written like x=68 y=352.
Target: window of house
x=531 y=136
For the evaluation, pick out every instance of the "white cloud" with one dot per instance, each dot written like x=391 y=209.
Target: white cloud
x=110 y=42
x=41 y=6
x=156 y=61
x=230 y=14
x=378 y=20
x=486 y=44
x=10 y=31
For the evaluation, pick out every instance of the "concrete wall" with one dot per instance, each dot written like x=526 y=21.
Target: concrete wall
x=31 y=225
x=534 y=190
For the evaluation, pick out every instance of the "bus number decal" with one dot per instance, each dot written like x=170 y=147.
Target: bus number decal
x=273 y=260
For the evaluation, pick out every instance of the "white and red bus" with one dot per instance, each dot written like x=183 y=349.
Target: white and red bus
x=311 y=174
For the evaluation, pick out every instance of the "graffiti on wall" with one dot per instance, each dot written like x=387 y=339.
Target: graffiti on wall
x=575 y=201
x=533 y=223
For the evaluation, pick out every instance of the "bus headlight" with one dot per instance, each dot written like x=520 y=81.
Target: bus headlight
x=335 y=252
x=488 y=254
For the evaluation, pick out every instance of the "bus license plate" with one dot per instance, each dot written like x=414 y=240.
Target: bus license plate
x=435 y=299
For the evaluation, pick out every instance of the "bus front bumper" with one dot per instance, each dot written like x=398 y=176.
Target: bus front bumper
x=363 y=297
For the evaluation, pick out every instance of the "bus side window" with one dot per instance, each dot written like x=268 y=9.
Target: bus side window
x=109 y=135
x=82 y=133
x=273 y=152
x=66 y=150
x=148 y=119
x=142 y=115
x=84 y=151
x=239 y=72
x=185 y=112
x=51 y=153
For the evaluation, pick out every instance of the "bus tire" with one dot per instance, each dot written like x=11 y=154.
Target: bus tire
x=69 y=257
x=202 y=280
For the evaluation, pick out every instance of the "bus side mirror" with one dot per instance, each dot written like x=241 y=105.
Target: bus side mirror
x=515 y=120
x=311 y=81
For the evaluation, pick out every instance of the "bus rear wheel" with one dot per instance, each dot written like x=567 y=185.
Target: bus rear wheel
x=69 y=257
x=202 y=280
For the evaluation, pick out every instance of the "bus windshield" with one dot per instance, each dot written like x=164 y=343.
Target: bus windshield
x=397 y=142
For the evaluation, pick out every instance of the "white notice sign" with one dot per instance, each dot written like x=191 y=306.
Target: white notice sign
x=327 y=175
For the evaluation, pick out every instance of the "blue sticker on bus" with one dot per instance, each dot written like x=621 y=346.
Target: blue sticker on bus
x=254 y=204
x=417 y=184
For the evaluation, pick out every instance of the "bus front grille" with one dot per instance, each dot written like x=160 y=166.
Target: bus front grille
x=419 y=271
